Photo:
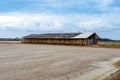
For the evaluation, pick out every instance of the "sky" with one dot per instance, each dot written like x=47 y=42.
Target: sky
x=22 y=17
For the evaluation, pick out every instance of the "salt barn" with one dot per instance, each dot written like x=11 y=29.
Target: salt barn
x=62 y=38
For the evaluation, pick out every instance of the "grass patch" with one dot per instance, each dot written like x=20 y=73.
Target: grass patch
x=117 y=64
x=116 y=75
x=109 y=44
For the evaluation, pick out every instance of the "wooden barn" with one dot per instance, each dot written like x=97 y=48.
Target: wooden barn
x=62 y=38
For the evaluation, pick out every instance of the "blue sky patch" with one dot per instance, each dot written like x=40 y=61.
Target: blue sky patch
x=21 y=17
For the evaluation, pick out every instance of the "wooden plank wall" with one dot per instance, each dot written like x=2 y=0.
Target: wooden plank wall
x=56 y=41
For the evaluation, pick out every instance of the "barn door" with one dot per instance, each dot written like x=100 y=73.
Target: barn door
x=90 y=41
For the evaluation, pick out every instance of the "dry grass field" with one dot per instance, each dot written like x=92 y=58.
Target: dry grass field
x=50 y=62
x=109 y=44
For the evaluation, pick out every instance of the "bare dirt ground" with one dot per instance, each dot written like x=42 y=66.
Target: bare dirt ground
x=50 y=62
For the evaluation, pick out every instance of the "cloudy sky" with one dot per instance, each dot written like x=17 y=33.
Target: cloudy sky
x=22 y=17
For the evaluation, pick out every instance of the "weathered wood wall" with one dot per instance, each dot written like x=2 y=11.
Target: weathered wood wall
x=92 y=40
x=56 y=41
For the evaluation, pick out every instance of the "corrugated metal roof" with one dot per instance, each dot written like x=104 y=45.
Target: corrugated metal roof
x=53 y=35
x=84 y=35
x=61 y=36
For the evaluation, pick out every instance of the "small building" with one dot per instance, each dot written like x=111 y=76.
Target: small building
x=62 y=38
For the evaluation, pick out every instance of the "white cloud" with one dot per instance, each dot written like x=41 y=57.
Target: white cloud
x=98 y=4
x=9 y=20
x=38 y=21
x=92 y=24
x=52 y=22
x=104 y=4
